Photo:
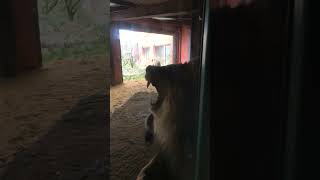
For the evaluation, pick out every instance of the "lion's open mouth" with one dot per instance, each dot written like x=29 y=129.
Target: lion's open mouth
x=154 y=76
x=156 y=102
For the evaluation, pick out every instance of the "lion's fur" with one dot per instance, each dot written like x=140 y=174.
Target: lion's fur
x=174 y=118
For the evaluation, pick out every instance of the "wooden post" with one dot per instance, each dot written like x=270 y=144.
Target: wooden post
x=22 y=37
x=115 y=52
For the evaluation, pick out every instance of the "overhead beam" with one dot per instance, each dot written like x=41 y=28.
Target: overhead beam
x=117 y=8
x=167 y=9
x=149 y=26
x=123 y=3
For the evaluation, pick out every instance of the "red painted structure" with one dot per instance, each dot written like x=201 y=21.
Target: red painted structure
x=185 y=43
x=115 y=56
x=22 y=37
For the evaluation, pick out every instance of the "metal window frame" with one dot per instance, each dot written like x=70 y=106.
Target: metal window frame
x=202 y=148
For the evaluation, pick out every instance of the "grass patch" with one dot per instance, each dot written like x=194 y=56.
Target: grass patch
x=133 y=77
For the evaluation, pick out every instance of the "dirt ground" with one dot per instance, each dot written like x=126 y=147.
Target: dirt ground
x=119 y=94
x=129 y=104
x=75 y=148
x=32 y=104
x=47 y=133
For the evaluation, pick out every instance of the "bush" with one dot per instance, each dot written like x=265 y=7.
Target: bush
x=130 y=69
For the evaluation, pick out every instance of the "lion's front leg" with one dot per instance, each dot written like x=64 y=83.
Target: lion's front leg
x=149 y=129
x=154 y=170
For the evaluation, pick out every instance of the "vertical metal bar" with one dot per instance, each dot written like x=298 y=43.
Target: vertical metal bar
x=201 y=157
x=295 y=85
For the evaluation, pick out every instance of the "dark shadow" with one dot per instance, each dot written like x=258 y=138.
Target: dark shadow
x=129 y=152
x=76 y=148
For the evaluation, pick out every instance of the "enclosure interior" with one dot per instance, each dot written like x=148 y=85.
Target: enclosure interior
x=53 y=89
x=181 y=22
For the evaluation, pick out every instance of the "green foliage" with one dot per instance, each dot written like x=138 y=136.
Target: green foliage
x=127 y=61
x=133 y=77
x=130 y=69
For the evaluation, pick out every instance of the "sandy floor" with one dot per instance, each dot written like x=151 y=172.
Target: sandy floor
x=129 y=104
x=121 y=93
x=33 y=103
x=73 y=149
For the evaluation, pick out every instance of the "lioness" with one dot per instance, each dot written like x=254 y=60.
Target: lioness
x=174 y=121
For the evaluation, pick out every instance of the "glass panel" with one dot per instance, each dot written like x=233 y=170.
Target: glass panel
x=154 y=118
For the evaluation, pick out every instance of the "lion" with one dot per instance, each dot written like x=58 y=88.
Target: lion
x=172 y=121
